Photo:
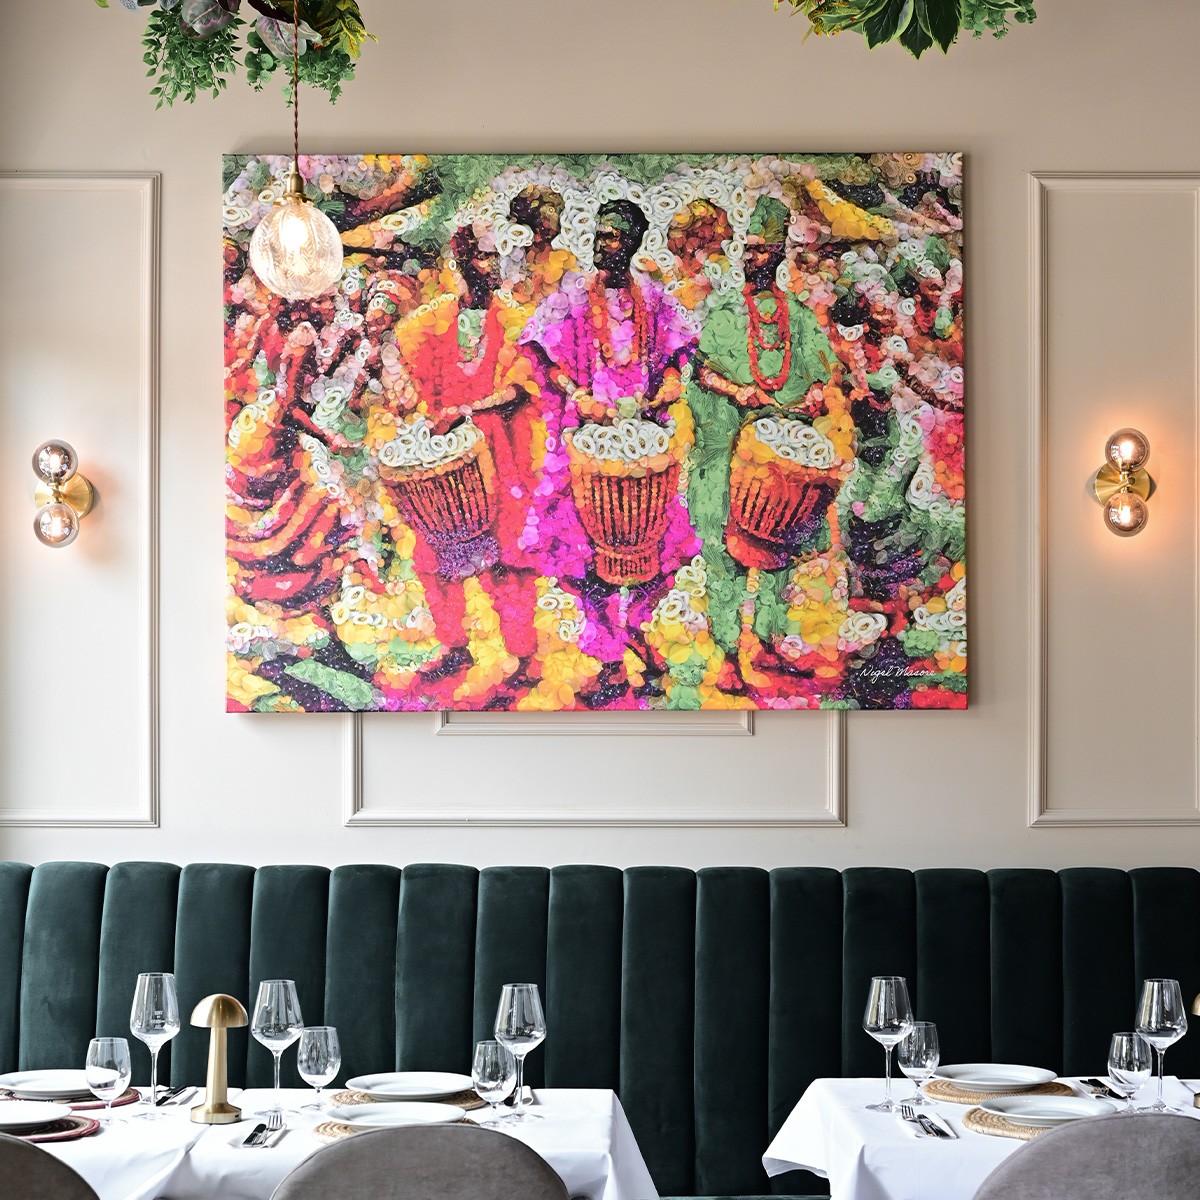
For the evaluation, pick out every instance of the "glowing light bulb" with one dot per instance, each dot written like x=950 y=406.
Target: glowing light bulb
x=1127 y=450
x=1125 y=513
x=55 y=462
x=296 y=249
x=56 y=525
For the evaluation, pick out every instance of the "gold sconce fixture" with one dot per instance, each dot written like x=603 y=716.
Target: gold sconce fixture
x=1122 y=485
x=218 y=1013
x=63 y=496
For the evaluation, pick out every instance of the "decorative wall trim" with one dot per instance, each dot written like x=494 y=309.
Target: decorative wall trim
x=146 y=187
x=832 y=812
x=1041 y=812
x=607 y=724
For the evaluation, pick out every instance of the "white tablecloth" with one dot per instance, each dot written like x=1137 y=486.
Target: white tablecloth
x=874 y=1156
x=583 y=1135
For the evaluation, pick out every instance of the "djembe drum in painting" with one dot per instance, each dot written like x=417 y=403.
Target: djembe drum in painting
x=777 y=499
x=623 y=478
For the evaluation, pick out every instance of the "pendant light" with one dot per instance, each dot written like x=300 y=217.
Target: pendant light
x=296 y=249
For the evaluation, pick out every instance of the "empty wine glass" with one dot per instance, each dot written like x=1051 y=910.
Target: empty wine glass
x=521 y=1026
x=1128 y=1065
x=1161 y=1020
x=887 y=1019
x=318 y=1059
x=154 y=1019
x=107 y=1070
x=277 y=1021
x=494 y=1074
x=918 y=1055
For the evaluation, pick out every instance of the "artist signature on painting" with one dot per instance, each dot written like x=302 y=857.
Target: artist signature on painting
x=893 y=672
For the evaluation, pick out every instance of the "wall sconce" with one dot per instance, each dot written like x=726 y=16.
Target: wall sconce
x=62 y=495
x=1122 y=485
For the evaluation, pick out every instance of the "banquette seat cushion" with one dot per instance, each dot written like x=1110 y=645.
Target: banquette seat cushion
x=708 y=1000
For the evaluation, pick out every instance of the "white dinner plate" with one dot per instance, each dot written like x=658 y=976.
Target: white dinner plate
x=26 y=1114
x=1047 y=1110
x=385 y=1116
x=993 y=1077
x=410 y=1085
x=47 y=1085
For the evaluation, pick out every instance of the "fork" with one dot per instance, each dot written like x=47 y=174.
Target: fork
x=273 y=1120
x=908 y=1113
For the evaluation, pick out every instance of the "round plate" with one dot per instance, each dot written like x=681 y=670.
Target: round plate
x=46 y=1085
x=28 y=1114
x=1047 y=1110
x=410 y=1085
x=994 y=1077
x=384 y=1116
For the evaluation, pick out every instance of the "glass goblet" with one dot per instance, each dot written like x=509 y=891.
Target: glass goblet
x=277 y=1021
x=107 y=1070
x=887 y=1019
x=318 y=1059
x=918 y=1055
x=1162 y=1021
x=521 y=1026
x=493 y=1074
x=1128 y=1065
x=154 y=1019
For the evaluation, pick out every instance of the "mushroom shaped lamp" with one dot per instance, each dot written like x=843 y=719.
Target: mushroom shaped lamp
x=219 y=1013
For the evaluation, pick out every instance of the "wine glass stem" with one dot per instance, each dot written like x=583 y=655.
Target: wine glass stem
x=887 y=1074
x=153 y=1077
x=278 y=1055
x=519 y=1107
x=1161 y=1055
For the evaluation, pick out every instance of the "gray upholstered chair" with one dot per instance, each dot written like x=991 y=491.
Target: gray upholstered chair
x=1107 y=1158
x=29 y=1172
x=424 y=1162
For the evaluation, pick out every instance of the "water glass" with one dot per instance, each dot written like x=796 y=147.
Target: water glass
x=318 y=1059
x=1162 y=1021
x=494 y=1074
x=918 y=1055
x=277 y=1021
x=1128 y=1065
x=888 y=1018
x=521 y=1026
x=154 y=1019
x=108 y=1070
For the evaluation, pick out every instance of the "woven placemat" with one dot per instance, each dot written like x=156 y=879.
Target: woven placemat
x=132 y=1096
x=939 y=1089
x=979 y=1121
x=66 y=1130
x=332 y=1131
x=466 y=1099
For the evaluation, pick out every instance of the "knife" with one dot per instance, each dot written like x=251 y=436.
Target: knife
x=1098 y=1085
x=258 y=1132
x=169 y=1094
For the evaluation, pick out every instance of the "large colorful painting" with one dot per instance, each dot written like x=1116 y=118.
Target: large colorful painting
x=601 y=432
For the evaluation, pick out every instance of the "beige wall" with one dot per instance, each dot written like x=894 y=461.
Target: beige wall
x=1116 y=342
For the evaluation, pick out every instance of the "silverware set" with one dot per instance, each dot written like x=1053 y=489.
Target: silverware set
x=929 y=1127
x=267 y=1132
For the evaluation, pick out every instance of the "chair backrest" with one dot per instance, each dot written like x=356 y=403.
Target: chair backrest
x=424 y=1162
x=30 y=1172
x=1107 y=1158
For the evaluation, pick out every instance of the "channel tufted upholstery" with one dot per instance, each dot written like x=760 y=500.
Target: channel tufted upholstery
x=707 y=1000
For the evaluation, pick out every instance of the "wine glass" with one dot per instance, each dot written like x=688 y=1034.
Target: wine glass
x=918 y=1056
x=520 y=1026
x=1161 y=1020
x=318 y=1059
x=494 y=1073
x=154 y=1020
x=887 y=1019
x=1128 y=1065
x=107 y=1070
x=277 y=1021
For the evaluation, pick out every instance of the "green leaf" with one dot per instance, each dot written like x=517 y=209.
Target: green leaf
x=940 y=20
x=887 y=22
x=914 y=39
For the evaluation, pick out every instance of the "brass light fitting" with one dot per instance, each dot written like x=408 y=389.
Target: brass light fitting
x=1122 y=485
x=63 y=496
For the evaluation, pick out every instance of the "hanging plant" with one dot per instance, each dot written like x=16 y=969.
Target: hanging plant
x=915 y=24
x=192 y=47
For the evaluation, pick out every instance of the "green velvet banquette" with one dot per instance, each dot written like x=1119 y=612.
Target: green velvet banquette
x=707 y=1000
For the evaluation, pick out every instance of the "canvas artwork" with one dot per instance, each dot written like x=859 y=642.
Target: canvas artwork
x=582 y=432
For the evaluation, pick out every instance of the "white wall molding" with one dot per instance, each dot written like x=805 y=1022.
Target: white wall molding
x=1041 y=810
x=599 y=724
x=832 y=811
x=146 y=190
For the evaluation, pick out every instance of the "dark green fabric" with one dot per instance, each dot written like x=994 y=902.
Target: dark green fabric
x=212 y=954
x=287 y=941
x=14 y=895
x=360 y=966
x=583 y=977
x=880 y=938
x=1026 y=940
x=806 y=996
x=657 y=997
x=953 y=961
x=1097 y=913
x=510 y=946
x=137 y=934
x=61 y=964
x=733 y=965
x=435 y=968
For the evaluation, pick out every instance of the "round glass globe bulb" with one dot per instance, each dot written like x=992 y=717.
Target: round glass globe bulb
x=1127 y=449
x=1125 y=513
x=296 y=250
x=56 y=525
x=55 y=462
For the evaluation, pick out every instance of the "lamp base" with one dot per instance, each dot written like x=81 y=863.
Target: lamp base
x=1108 y=481
x=216 y=1114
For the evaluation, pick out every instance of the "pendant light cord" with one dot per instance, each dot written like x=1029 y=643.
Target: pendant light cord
x=296 y=85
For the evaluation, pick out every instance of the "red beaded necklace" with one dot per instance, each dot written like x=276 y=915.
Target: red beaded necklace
x=756 y=343
x=602 y=323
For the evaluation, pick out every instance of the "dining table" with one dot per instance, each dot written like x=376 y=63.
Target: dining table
x=582 y=1133
x=879 y=1156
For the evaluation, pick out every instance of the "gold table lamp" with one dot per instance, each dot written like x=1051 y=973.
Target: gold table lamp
x=218 y=1013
